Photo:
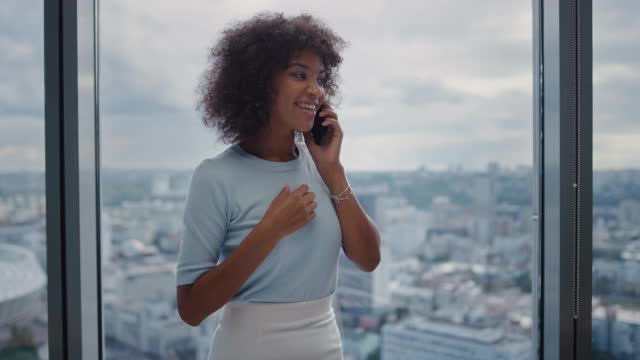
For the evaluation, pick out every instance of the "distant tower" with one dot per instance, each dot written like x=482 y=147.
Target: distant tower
x=369 y=202
x=355 y=287
x=105 y=238
x=382 y=278
x=358 y=289
x=493 y=168
x=161 y=184
x=484 y=205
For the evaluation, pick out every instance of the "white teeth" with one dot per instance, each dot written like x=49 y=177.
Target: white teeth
x=305 y=106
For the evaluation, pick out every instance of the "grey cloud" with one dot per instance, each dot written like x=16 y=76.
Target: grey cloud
x=34 y=109
x=126 y=90
x=478 y=39
x=22 y=60
x=143 y=109
x=425 y=92
x=616 y=32
x=437 y=19
x=155 y=140
x=411 y=93
x=22 y=19
x=615 y=106
x=21 y=130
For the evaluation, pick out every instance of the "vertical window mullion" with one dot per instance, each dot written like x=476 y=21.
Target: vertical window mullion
x=71 y=186
x=584 y=228
x=565 y=126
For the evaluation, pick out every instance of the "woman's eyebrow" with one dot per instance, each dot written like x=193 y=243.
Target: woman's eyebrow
x=304 y=66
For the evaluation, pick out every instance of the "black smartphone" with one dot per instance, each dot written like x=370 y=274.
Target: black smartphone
x=318 y=131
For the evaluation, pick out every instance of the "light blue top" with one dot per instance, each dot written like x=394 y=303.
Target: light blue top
x=228 y=195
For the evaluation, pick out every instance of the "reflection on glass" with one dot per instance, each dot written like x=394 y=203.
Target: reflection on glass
x=616 y=181
x=436 y=111
x=23 y=277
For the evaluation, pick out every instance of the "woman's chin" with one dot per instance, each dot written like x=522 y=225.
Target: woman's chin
x=305 y=127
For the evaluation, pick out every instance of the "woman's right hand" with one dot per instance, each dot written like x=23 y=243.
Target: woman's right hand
x=289 y=211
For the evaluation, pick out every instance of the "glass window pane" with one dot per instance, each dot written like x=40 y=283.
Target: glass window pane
x=437 y=115
x=23 y=276
x=616 y=200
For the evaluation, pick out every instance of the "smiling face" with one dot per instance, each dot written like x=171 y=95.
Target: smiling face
x=298 y=92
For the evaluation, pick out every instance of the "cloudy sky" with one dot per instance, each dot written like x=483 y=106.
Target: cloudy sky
x=424 y=83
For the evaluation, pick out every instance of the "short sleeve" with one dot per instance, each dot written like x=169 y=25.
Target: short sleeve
x=204 y=225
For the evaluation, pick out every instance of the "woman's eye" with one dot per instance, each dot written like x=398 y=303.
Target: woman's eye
x=303 y=76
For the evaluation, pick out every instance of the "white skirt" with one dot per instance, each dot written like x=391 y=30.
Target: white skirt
x=283 y=331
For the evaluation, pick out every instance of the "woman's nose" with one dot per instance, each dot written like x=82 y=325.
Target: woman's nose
x=315 y=89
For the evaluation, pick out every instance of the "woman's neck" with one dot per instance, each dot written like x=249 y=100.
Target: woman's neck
x=272 y=148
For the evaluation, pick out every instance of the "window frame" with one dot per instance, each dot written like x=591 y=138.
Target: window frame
x=72 y=180
x=563 y=142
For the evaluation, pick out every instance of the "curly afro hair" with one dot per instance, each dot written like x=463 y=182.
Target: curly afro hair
x=235 y=90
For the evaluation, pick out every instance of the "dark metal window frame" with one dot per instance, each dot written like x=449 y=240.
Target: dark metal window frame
x=563 y=180
x=562 y=59
x=72 y=180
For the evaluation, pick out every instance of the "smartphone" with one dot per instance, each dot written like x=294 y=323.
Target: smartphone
x=318 y=131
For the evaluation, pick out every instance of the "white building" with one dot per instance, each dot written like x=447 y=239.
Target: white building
x=105 y=238
x=21 y=281
x=419 y=301
x=417 y=339
x=358 y=344
x=404 y=237
x=155 y=328
x=625 y=334
x=148 y=283
x=140 y=312
x=382 y=278
x=600 y=328
x=160 y=184
x=361 y=289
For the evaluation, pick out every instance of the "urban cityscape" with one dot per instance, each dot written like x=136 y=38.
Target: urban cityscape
x=454 y=281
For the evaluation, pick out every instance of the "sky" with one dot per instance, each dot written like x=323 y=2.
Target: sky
x=429 y=84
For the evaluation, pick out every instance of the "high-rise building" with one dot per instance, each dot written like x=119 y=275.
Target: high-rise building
x=160 y=184
x=368 y=199
x=420 y=339
x=361 y=290
x=105 y=238
x=355 y=287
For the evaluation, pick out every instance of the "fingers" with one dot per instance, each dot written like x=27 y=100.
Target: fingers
x=301 y=190
x=304 y=194
x=306 y=197
x=329 y=113
x=311 y=206
x=310 y=196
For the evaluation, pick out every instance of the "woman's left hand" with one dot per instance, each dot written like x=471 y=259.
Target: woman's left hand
x=327 y=155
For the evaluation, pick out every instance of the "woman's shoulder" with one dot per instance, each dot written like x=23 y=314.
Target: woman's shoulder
x=217 y=166
x=223 y=158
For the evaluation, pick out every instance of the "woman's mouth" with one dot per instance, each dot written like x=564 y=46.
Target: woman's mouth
x=309 y=112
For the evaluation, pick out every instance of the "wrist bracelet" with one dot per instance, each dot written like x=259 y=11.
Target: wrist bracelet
x=338 y=198
x=348 y=186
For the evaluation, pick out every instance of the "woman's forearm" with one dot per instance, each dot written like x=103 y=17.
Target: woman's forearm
x=360 y=236
x=217 y=286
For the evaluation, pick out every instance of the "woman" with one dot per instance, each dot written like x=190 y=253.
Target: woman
x=250 y=243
